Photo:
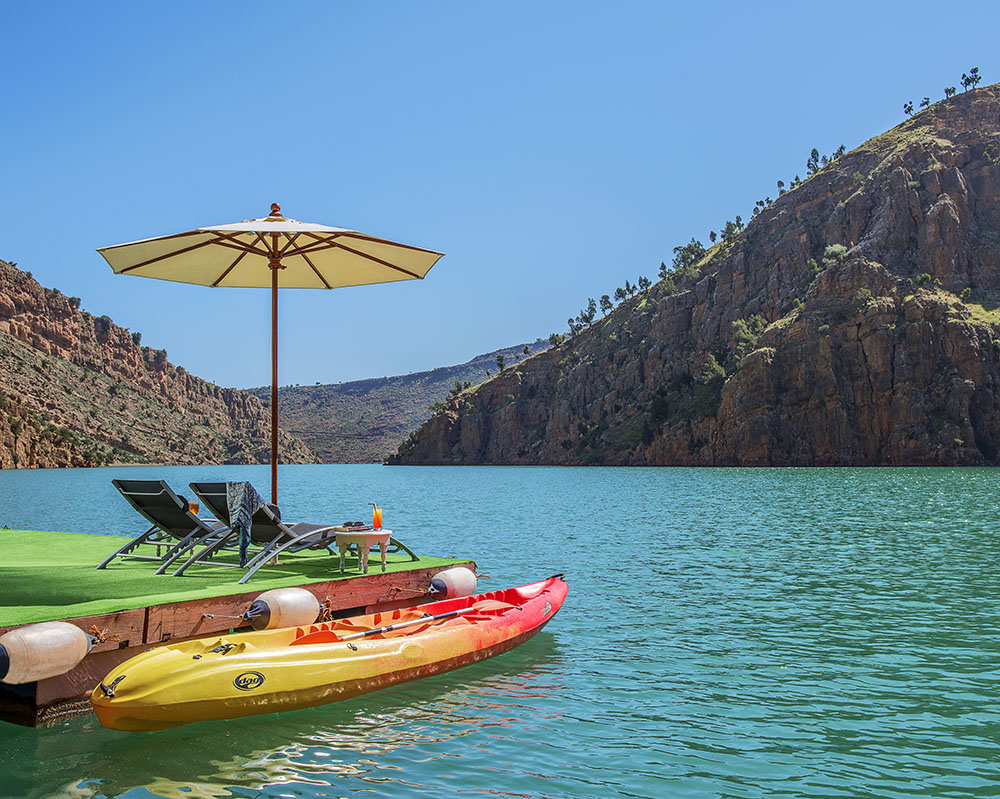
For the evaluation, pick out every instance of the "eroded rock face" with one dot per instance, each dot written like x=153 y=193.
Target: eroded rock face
x=77 y=390
x=24 y=441
x=888 y=355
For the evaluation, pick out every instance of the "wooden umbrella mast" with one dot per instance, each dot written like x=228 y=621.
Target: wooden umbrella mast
x=274 y=263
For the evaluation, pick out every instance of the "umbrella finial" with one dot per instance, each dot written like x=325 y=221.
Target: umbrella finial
x=276 y=210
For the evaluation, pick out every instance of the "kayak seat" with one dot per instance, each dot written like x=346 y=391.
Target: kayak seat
x=416 y=628
x=332 y=636
x=328 y=631
x=396 y=616
x=493 y=607
x=318 y=637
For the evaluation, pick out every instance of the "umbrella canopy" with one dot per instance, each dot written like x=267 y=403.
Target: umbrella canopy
x=271 y=252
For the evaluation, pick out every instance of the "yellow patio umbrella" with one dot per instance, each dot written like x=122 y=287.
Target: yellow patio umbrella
x=276 y=252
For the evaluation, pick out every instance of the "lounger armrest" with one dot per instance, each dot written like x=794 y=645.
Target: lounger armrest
x=299 y=528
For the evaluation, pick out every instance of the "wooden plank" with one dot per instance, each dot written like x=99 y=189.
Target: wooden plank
x=379 y=589
x=197 y=618
x=127 y=625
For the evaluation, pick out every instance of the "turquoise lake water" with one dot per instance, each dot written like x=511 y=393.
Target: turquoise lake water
x=728 y=633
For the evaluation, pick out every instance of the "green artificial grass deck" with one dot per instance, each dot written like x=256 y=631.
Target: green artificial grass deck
x=46 y=576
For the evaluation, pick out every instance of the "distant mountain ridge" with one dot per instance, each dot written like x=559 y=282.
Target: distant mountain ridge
x=78 y=390
x=364 y=421
x=854 y=321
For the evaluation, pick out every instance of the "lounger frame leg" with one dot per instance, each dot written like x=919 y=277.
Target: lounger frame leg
x=211 y=549
x=274 y=549
x=399 y=545
x=180 y=548
x=131 y=545
x=271 y=550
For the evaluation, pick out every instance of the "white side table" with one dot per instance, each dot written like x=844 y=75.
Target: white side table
x=363 y=540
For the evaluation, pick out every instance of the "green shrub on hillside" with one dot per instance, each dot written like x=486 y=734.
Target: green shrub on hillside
x=102 y=324
x=745 y=333
x=834 y=254
x=682 y=399
x=711 y=370
x=685 y=255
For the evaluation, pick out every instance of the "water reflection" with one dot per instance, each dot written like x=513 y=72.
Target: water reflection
x=369 y=741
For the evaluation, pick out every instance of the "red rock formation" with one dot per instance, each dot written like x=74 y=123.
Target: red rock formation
x=81 y=391
x=885 y=352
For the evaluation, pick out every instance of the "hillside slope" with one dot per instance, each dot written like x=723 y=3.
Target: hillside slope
x=78 y=390
x=780 y=347
x=363 y=421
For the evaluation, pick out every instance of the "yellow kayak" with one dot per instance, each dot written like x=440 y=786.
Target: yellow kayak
x=295 y=667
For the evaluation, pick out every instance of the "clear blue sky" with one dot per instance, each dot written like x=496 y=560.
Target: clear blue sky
x=551 y=149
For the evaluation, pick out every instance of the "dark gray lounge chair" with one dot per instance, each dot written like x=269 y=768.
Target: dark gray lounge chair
x=174 y=528
x=267 y=532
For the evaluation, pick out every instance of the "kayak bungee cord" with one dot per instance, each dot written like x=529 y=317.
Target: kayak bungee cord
x=422 y=620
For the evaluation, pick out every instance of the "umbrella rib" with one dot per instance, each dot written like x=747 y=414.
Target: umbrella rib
x=167 y=255
x=318 y=244
x=232 y=266
x=146 y=241
x=263 y=241
x=291 y=241
x=328 y=243
x=231 y=241
x=308 y=250
x=222 y=240
x=239 y=247
x=364 y=237
x=318 y=273
x=376 y=260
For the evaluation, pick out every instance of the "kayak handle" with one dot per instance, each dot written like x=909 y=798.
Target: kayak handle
x=109 y=690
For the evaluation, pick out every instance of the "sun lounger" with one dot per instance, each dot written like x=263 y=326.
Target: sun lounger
x=174 y=528
x=267 y=532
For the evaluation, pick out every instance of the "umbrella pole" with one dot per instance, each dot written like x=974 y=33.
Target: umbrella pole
x=275 y=266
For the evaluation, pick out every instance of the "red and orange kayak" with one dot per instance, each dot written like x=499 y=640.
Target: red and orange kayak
x=295 y=667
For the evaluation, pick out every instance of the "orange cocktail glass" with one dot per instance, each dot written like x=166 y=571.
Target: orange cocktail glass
x=377 y=518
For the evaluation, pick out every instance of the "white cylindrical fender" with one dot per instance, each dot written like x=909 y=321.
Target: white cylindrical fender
x=37 y=651
x=452 y=583
x=283 y=607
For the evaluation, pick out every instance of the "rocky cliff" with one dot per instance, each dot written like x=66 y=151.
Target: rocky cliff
x=78 y=390
x=855 y=320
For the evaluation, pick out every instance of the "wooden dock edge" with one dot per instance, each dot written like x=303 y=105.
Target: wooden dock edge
x=128 y=632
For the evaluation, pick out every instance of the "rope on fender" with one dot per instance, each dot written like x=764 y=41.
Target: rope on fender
x=100 y=636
